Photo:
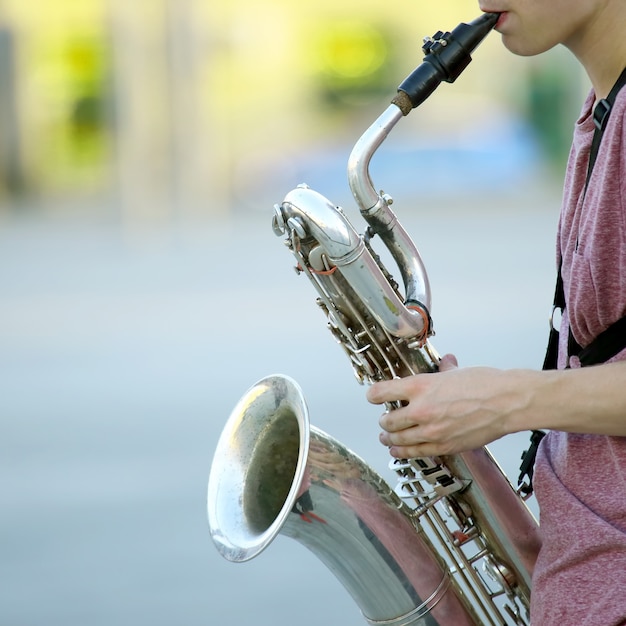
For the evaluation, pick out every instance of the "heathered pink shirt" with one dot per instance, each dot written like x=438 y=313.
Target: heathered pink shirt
x=580 y=480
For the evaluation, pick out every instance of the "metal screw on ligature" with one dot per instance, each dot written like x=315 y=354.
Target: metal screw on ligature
x=432 y=44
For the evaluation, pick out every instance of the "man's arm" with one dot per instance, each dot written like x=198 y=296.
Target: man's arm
x=461 y=409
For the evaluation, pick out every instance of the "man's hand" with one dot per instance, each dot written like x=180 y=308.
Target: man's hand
x=446 y=412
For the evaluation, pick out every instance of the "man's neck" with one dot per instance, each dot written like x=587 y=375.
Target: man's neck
x=601 y=48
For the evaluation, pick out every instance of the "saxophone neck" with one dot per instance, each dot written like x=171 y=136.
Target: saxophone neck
x=376 y=210
x=446 y=56
x=366 y=196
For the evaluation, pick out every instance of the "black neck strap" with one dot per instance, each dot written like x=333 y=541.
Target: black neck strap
x=601 y=114
x=609 y=342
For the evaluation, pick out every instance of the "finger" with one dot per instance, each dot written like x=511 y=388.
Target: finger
x=398 y=448
x=448 y=362
x=398 y=420
x=421 y=449
x=397 y=439
x=414 y=452
x=389 y=391
x=404 y=437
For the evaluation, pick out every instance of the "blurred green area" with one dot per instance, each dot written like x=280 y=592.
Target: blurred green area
x=154 y=100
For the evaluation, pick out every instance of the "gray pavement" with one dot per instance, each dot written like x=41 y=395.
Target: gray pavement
x=122 y=352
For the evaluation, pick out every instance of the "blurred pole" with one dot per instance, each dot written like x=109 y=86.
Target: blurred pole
x=143 y=155
x=200 y=155
x=12 y=181
x=171 y=160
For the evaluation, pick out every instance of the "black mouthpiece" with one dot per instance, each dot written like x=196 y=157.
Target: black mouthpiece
x=447 y=55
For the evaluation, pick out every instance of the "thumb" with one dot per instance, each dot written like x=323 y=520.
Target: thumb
x=448 y=362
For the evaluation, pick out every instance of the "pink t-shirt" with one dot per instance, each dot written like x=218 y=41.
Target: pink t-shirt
x=580 y=480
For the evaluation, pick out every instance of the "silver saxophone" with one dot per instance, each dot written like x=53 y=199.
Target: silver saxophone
x=453 y=543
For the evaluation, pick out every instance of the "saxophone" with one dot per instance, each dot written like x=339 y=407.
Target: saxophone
x=452 y=543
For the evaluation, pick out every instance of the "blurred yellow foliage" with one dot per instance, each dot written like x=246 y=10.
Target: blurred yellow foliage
x=152 y=96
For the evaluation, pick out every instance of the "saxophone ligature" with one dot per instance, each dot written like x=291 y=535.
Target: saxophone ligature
x=453 y=543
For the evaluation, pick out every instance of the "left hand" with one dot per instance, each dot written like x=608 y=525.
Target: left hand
x=446 y=412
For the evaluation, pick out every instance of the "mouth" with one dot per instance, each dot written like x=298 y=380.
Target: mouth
x=501 y=18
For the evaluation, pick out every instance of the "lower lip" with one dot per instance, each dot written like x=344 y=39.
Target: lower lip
x=501 y=19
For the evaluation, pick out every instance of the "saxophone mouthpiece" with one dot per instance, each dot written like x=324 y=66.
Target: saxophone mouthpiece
x=468 y=37
x=446 y=56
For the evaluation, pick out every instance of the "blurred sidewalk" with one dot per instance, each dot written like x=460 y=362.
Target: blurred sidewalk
x=123 y=350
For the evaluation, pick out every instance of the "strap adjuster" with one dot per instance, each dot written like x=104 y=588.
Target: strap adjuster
x=601 y=113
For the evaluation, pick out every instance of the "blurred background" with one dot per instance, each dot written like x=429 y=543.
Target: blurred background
x=142 y=146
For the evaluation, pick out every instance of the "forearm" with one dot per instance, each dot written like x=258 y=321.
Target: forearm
x=461 y=409
x=587 y=400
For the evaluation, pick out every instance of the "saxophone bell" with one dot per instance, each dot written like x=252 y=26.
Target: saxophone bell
x=274 y=474
x=258 y=467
